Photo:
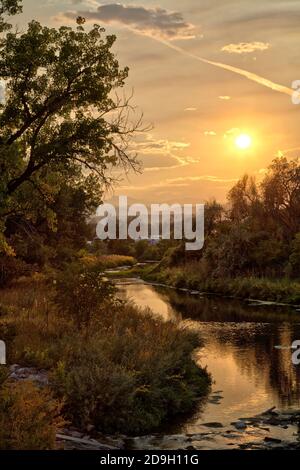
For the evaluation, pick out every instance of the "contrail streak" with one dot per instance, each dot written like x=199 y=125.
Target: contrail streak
x=251 y=76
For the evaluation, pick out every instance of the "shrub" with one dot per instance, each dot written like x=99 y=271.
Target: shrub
x=29 y=417
x=294 y=260
x=133 y=374
x=12 y=268
x=129 y=374
x=83 y=293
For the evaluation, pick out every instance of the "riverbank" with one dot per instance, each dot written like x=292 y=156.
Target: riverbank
x=269 y=430
x=186 y=277
x=247 y=349
x=126 y=373
x=272 y=429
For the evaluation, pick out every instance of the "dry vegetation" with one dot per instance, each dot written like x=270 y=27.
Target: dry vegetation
x=122 y=371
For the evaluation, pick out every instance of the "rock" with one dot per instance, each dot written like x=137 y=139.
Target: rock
x=86 y=443
x=250 y=421
x=231 y=436
x=244 y=446
x=240 y=425
x=90 y=428
x=29 y=373
x=264 y=429
x=270 y=411
x=272 y=440
x=273 y=421
x=77 y=434
x=213 y=425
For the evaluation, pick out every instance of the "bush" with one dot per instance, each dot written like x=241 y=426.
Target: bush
x=12 y=268
x=294 y=260
x=132 y=375
x=106 y=261
x=29 y=417
x=192 y=276
x=83 y=293
x=127 y=372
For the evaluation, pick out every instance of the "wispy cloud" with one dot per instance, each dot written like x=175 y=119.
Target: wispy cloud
x=245 y=73
x=151 y=21
x=246 y=47
x=234 y=131
x=165 y=26
x=294 y=150
x=225 y=97
x=161 y=154
x=210 y=133
x=179 y=182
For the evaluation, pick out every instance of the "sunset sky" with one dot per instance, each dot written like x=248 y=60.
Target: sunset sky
x=198 y=109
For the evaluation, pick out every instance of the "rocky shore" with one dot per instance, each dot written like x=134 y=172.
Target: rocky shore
x=270 y=430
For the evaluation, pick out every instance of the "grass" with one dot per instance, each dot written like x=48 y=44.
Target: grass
x=107 y=261
x=128 y=373
x=191 y=277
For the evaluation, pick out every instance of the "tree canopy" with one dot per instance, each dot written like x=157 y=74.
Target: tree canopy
x=61 y=114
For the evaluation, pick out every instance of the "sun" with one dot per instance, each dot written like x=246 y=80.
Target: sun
x=243 y=141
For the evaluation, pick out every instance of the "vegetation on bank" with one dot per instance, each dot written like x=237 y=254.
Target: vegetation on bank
x=105 y=261
x=109 y=364
x=62 y=130
x=188 y=277
x=252 y=245
x=29 y=417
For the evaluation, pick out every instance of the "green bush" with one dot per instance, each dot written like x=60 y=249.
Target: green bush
x=12 y=268
x=191 y=276
x=125 y=372
x=132 y=375
x=83 y=293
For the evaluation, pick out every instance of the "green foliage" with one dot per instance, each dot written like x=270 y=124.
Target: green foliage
x=132 y=375
x=294 y=260
x=29 y=417
x=256 y=237
x=62 y=128
x=105 y=261
x=194 y=276
x=83 y=293
x=11 y=268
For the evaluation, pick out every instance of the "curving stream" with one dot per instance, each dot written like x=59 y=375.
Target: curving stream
x=247 y=350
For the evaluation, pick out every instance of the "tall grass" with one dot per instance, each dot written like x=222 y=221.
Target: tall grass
x=107 y=261
x=194 y=276
x=129 y=374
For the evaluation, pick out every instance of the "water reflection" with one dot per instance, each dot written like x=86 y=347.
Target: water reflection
x=250 y=374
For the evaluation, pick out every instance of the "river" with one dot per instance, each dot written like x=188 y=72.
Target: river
x=246 y=348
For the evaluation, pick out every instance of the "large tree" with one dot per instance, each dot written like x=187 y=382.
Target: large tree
x=61 y=112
